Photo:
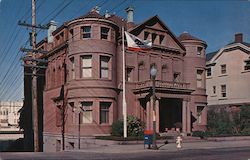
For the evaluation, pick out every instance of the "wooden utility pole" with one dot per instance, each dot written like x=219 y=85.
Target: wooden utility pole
x=33 y=63
x=34 y=81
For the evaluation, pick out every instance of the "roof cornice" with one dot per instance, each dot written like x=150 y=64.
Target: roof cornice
x=230 y=47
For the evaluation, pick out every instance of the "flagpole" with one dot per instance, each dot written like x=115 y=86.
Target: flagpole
x=124 y=105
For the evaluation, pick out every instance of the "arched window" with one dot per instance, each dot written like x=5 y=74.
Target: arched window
x=164 y=69
x=141 y=68
x=48 y=78
x=53 y=80
x=152 y=65
x=59 y=75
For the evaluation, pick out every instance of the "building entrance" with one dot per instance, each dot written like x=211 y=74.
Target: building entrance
x=170 y=114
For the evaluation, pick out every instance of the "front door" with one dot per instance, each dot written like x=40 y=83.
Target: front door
x=170 y=114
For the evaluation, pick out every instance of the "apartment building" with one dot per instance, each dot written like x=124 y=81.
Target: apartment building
x=228 y=74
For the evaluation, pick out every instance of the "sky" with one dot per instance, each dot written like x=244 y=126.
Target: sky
x=214 y=21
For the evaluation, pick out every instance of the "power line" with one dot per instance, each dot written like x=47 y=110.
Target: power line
x=8 y=71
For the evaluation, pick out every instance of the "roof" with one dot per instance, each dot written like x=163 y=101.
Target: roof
x=209 y=56
x=91 y=14
x=151 y=21
x=244 y=43
x=186 y=36
x=94 y=14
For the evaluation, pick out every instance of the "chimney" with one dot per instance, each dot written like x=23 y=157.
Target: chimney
x=107 y=15
x=238 y=38
x=130 y=14
x=52 y=28
x=96 y=9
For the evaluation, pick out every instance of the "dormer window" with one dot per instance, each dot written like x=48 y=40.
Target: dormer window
x=146 y=34
x=161 y=39
x=104 y=32
x=86 y=32
x=154 y=35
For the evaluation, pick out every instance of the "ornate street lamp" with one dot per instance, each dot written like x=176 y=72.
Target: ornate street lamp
x=153 y=72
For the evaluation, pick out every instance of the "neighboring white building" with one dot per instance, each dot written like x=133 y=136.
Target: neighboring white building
x=228 y=74
x=9 y=115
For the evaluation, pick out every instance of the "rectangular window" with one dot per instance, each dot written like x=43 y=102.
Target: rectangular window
x=199 y=50
x=58 y=116
x=247 y=66
x=73 y=75
x=199 y=78
x=223 y=69
x=199 y=113
x=214 y=89
x=209 y=72
x=104 y=66
x=129 y=74
x=86 y=32
x=86 y=112
x=86 y=66
x=223 y=91
x=104 y=32
x=104 y=112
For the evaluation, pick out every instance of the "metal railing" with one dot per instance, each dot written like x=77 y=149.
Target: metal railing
x=162 y=84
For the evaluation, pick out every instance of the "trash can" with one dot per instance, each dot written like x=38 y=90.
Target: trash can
x=148 y=138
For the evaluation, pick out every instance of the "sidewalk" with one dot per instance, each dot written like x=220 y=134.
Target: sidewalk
x=171 y=147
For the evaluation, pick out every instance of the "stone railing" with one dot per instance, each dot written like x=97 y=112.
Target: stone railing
x=162 y=84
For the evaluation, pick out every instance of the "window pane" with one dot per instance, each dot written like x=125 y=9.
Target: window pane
x=104 y=70
x=86 y=32
x=104 y=32
x=104 y=112
x=87 y=117
x=104 y=73
x=209 y=72
x=223 y=69
x=86 y=72
x=87 y=112
x=199 y=50
x=86 y=29
x=87 y=61
x=104 y=61
x=223 y=91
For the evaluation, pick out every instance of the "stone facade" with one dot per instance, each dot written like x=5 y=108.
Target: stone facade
x=9 y=115
x=84 y=79
x=228 y=74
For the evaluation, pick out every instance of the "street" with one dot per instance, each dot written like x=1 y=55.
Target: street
x=242 y=153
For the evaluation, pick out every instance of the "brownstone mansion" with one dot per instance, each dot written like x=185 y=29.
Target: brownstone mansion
x=84 y=78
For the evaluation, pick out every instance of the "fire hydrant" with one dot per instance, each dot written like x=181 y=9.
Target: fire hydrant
x=179 y=142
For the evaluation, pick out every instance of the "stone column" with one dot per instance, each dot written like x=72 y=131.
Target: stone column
x=157 y=109
x=184 y=117
x=151 y=113
x=148 y=115
x=188 y=119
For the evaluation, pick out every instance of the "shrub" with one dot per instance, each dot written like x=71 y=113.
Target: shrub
x=223 y=122
x=219 y=123
x=117 y=128
x=135 y=127
x=200 y=134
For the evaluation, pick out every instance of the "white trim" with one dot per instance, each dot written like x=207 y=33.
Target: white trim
x=219 y=53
